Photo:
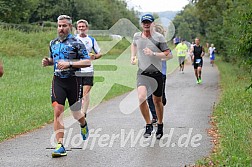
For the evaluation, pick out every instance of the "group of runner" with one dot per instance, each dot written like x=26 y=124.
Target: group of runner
x=196 y=53
x=71 y=56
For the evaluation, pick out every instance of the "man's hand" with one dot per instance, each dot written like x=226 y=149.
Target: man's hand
x=92 y=56
x=63 y=65
x=202 y=54
x=46 y=62
x=147 y=52
x=133 y=60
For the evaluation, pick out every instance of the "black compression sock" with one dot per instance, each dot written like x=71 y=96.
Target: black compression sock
x=83 y=126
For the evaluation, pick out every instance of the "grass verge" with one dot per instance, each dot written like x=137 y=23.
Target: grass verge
x=232 y=120
x=24 y=96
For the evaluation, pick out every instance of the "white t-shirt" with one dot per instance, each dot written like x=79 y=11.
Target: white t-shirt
x=211 y=50
x=91 y=45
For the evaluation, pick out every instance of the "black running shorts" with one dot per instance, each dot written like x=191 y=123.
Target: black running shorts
x=67 y=88
x=198 y=63
x=152 y=81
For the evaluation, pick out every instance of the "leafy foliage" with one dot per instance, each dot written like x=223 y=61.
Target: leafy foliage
x=100 y=15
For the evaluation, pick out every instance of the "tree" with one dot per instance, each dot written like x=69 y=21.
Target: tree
x=15 y=11
x=188 y=24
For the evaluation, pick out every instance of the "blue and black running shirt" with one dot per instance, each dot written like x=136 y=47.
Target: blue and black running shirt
x=71 y=49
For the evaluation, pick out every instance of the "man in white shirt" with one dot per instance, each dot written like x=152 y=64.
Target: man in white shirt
x=211 y=52
x=88 y=72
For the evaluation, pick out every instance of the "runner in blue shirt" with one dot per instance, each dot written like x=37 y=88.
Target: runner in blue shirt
x=67 y=54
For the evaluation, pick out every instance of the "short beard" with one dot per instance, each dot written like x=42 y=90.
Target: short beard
x=63 y=37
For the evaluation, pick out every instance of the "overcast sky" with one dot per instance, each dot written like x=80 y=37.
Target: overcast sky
x=157 y=5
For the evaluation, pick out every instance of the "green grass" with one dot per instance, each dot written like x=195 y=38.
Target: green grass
x=24 y=95
x=16 y=43
x=105 y=67
x=102 y=37
x=116 y=89
x=233 y=117
x=117 y=50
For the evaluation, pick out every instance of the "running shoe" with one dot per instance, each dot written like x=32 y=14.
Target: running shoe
x=159 y=132
x=197 y=82
x=200 y=81
x=84 y=131
x=59 y=151
x=148 y=130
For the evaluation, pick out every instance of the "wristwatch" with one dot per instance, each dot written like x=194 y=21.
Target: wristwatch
x=70 y=64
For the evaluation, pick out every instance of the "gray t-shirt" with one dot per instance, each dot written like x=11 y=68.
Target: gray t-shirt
x=156 y=43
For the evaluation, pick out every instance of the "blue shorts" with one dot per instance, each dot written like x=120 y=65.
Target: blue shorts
x=212 y=57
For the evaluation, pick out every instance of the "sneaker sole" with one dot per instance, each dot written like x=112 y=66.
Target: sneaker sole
x=57 y=155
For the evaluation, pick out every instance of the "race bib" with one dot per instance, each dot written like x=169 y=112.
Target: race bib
x=198 y=61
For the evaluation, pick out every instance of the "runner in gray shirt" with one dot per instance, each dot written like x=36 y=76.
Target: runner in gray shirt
x=151 y=48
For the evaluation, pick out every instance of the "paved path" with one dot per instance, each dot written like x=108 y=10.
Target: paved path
x=185 y=122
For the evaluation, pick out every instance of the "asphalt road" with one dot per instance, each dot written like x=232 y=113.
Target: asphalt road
x=118 y=140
